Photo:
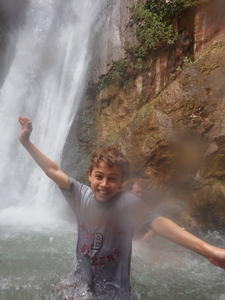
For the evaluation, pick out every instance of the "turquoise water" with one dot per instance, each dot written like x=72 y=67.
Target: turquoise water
x=33 y=262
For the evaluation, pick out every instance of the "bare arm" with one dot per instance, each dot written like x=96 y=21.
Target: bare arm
x=47 y=165
x=148 y=235
x=170 y=230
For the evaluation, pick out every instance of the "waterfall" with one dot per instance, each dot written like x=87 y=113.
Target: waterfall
x=46 y=79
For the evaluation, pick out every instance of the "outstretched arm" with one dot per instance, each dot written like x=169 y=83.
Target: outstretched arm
x=47 y=165
x=170 y=230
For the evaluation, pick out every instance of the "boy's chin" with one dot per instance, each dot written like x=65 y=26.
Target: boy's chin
x=100 y=199
x=103 y=199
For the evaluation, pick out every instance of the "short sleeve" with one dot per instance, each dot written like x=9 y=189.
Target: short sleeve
x=75 y=194
x=140 y=213
x=145 y=221
x=147 y=216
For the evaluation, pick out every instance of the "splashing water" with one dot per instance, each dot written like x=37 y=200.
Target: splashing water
x=46 y=79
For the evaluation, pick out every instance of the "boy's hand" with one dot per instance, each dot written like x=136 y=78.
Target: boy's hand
x=26 y=128
x=218 y=258
x=50 y=168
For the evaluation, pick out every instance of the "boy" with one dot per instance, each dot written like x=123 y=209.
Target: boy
x=106 y=220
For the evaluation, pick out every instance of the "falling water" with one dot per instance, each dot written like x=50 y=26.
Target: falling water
x=45 y=81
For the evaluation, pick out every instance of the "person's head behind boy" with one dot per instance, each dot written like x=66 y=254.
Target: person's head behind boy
x=108 y=169
x=137 y=189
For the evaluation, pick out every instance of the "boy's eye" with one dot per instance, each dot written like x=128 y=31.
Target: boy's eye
x=99 y=177
x=113 y=179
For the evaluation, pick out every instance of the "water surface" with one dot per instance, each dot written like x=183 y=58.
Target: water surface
x=32 y=262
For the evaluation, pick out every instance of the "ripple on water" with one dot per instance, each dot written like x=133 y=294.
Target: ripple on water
x=32 y=261
x=162 y=270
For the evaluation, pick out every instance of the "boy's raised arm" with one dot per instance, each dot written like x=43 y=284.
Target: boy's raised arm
x=47 y=165
x=170 y=230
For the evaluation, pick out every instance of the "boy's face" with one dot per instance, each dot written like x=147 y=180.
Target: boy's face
x=105 y=181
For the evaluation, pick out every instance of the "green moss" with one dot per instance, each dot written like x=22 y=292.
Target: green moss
x=118 y=70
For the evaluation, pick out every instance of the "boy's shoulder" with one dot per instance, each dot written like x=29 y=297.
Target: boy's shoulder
x=127 y=199
x=77 y=190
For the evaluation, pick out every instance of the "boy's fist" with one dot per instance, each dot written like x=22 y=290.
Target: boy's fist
x=218 y=258
x=26 y=128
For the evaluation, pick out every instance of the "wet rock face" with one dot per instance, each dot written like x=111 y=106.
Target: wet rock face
x=112 y=35
x=208 y=22
x=174 y=137
x=178 y=139
x=196 y=29
x=169 y=123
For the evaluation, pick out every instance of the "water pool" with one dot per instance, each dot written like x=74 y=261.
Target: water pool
x=33 y=261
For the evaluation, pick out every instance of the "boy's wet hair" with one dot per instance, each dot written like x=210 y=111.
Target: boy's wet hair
x=112 y=157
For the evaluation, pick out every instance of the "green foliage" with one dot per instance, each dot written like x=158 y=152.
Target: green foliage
x=168 y=9
x=155 y=21
x=187 y=61
x=138 y=65
x=155 y=27
x=118 y=70
x=135 y=52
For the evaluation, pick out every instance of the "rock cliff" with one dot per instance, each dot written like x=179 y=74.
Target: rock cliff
x=177 y=139
x=169 y=117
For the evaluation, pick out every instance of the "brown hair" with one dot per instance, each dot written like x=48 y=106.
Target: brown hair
x=112 y=157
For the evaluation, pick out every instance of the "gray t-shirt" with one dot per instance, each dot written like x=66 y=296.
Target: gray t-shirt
x=105 y=232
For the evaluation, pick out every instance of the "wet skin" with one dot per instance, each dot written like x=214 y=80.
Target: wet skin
x=105 y=181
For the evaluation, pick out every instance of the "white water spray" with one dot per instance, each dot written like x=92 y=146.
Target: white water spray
x=45 y=81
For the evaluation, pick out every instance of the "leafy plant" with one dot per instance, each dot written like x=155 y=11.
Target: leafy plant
x=155 y=21
x=155 y=26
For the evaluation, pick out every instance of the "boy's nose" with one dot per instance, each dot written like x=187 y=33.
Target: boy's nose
x=104 y=182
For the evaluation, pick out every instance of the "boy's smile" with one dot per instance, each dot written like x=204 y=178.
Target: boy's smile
x=105 y=181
